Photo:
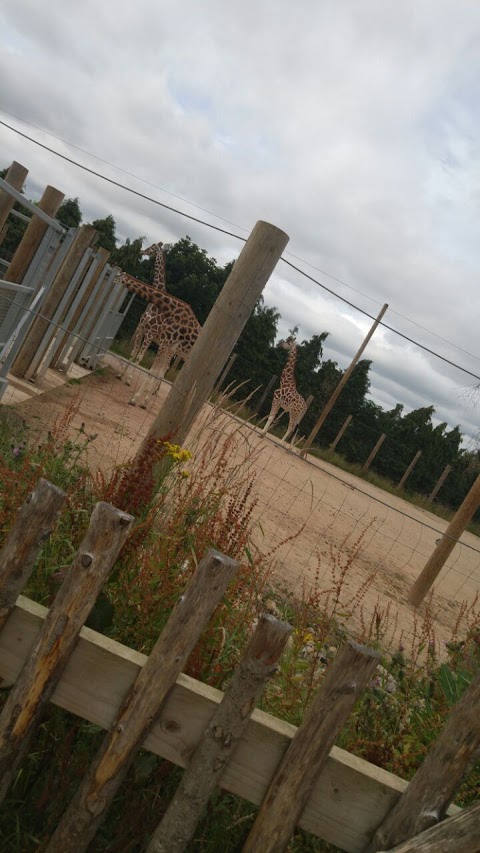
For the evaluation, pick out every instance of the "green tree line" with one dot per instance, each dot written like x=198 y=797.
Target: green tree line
x=197 y=278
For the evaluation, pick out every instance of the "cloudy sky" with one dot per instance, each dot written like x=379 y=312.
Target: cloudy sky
x=354 y=126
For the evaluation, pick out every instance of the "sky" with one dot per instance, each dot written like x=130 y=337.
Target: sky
x=352 y=126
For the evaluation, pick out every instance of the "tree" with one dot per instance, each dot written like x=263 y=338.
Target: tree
x=106 y=231
x=69 y=213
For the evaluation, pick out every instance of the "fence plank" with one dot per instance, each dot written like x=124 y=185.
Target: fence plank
x=32 y=526
x=99 y=675
x=460 y=834
x=222 y=736
x=293 y=780
x=435 y=783
x=143 y=703
x=105 y=536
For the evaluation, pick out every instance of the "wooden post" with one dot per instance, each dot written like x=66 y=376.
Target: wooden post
x=16 y=177
x=457 y=834
x=433 y=494
x=343 y=381
x=106 y=534
x=143 y=704
x=220 y=333
x=446 y=545
x=103 y=255
x=224 y=373
x=31 y=528
x=425 y=801
x=342 y=429
x=220 y=740
x=36 y=229
x=305 y=758
x=366 y=465
x=264 y=396
x=39 y=326
x=409 y=470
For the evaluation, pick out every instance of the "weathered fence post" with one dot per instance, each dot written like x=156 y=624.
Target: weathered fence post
x=409 y=470
x=457 y=834
x=143 y=704
x=34 y=234
x=31 y=528
x=446 y=545
x=224 y=373
x=218 y=744
x=40 y=325
x=264 y=396
x=223 y=326
x=106 y=534
x=430 y=792
x=343 y=381
x=438 y=485
x=366 y=465
x=16 y=177
x=340 y=432
x=293 y=780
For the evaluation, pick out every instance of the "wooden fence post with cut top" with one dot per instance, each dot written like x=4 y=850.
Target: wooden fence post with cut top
x=409 y=470
x=16 y=177
x=143 y=704
x=447 y=543
x=33 y=236
x=101 y=545
x=218 y=744
x=457 y=834
x=307 y=754
x=438 y=485
x=433 y=787
x=341 y=431
x=31 y=528
x=366 y=465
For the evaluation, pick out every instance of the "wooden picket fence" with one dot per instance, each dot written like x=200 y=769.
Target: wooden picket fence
x=295 y=776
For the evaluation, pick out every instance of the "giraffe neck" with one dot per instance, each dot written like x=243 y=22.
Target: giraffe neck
x=288 y=372
x=159 y=275
x=159 y=298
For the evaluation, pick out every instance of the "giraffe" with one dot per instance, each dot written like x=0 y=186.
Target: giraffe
x=156 y=251
x=169 y=322
x=287 y=397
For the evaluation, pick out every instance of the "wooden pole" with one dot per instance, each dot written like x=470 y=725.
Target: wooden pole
x=457 y=834
x=220 y=740
x=103 y=255
x=366 y=465
x=31 y=528
x=225 y=373
x=425 y=801
x=343 y=381
x=264 y=396
x=36 y=230
x=106 y=534
x=433 y=494
x=446 y=545
x=143 y=704
x=39 y=326
x=223 y=326
x=294 y=778
x=342 y=429
x=16 y=177
x=409 y=470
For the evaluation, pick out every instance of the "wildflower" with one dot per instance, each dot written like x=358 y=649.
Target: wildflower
x=185 y=474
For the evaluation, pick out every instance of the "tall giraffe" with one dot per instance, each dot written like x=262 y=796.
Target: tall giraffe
x=168 y=322
x=286 y=396
x=156 y=251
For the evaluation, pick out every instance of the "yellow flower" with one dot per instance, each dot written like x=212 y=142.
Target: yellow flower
x=185 y=474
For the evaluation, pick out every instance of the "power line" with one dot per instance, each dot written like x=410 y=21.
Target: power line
x=243 y=240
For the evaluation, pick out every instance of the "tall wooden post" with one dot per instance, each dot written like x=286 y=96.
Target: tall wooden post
x=340 y=432
x=366 y=465
x=223 y=326
x=409 y=469
x=446 y=545
x=16 y=177
x=264 y=396
x=39 y=326
x=343 y=381
x=438 y=485
x=36 y=229
x=225 y=372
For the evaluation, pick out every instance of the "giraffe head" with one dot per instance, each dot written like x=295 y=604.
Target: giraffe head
x=153 y=250
x=290 y=344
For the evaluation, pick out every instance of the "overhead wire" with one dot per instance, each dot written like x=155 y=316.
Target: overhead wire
x=242 y=239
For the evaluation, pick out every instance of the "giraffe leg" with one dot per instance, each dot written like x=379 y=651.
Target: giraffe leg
x=292 y=423
x=273 y=412
x=151 y=383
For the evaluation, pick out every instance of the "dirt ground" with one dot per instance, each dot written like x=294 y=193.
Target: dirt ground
x=342 y=519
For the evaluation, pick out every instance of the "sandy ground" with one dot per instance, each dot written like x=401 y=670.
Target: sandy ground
x=342 y=519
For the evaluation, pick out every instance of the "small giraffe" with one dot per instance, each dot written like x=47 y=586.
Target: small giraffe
x=169 y=322
x=287 y=397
